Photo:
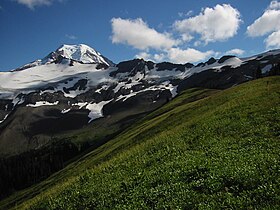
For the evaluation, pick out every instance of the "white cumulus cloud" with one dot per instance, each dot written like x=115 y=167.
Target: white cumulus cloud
x=144 y=55
x=138 y=34
x=35 y=3
x=212 y=24
x=157 y=57
x=273 y=41
x=267 y=23
x=177 y=55
x=235 y=52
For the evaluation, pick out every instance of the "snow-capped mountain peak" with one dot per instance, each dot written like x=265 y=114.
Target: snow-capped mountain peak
x=67 y=54
x=81 y=53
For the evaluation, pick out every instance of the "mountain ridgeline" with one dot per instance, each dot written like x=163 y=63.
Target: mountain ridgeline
x=56 y=109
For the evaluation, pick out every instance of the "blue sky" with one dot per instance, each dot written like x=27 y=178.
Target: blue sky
x=172 y=30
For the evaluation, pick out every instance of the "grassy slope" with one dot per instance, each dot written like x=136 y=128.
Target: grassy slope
x=218 y=152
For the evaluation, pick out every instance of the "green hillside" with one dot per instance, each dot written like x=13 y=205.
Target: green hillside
x=206 y=149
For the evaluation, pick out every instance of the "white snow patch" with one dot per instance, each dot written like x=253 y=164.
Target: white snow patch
x=233 y=62
x=80 y=104
x=263 y=62
x=129 y=85
x=125 y=97
x=42 y=103
x=104 y=87
x=70 y=84
x=64 y=111
x=96 y=110
x=266 y=68
x=173 y=91
x=18 y=101
x=119 y=86
x=248 y=77
x=138 y=76
x=4 y=118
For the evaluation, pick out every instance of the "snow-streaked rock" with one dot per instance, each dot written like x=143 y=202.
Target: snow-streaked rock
x=81 y=53
x=42 y=103
x=82 y=77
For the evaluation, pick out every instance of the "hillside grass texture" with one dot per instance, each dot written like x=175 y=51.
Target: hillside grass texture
x=206 y=149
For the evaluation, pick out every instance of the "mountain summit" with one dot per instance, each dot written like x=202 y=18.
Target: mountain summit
x=68 y=54
x=80 y=53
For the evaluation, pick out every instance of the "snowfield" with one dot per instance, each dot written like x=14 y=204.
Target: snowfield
x=12 y=83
